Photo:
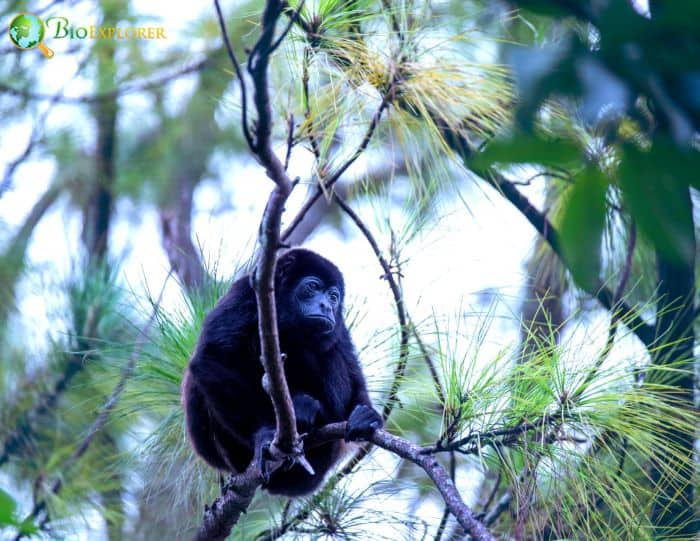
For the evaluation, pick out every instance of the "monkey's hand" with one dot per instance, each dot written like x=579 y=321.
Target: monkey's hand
x=306 y=410
x=362 y=423
x=262 y=456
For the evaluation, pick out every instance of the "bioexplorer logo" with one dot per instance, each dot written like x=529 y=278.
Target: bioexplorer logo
x=27 y=31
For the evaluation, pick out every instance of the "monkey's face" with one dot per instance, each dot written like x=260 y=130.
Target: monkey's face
x=316 y=304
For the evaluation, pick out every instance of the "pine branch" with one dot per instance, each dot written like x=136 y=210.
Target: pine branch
x=102 y=417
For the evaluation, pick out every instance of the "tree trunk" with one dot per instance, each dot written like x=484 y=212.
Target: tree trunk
x=672 y=473
x=97 y=214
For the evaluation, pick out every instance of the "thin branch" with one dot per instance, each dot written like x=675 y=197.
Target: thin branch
x=307 y=106
x=290 y=141
x=430 y=465
x=400 y=368
x=502 y=505
x=328 y=183
x=223 y=514
x=239 y=74
x=476 y=440
x=398 y=301
x=289 y=26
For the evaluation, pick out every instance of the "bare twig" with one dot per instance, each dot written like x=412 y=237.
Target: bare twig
x=502 y=505
x=289 y=26
x=476 y=440
x=239 y=74
x=307 y=106
x=327 y=184
x=398 y=301
x=290 y=141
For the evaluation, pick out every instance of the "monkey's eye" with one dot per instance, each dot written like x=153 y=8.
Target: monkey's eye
x=308 y=291
x=334 y=296
x=310 y=288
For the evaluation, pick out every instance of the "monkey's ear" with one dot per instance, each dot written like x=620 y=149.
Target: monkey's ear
x=285 y=266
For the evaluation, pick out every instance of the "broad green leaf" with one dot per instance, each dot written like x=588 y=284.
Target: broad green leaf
x=7 y=509
x=582 y=226
x=524 y=148
x=655 y=187
x=27 y=527
x=545 y=7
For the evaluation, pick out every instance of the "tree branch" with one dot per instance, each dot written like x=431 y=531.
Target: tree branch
x=326 y=184
x=426 y=461
x=239 y=490
x=224 y=513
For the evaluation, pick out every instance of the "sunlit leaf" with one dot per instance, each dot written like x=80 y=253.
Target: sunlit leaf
x=582 y=226
x=524 y=148
x=7 y=509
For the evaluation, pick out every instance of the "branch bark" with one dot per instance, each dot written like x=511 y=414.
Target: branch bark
x=240 y=490
x=430 y=465
x=286 y=442
x=97 y=213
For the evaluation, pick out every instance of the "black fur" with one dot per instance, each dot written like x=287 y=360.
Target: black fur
x=229 y=415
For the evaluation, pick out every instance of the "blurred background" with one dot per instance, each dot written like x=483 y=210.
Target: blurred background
x=532 y=184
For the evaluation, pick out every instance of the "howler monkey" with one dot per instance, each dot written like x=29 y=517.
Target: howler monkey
x=229 y=416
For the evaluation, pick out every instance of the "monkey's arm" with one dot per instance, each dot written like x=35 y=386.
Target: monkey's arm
x=225 y=368
x=363 y=419
x=235 y=400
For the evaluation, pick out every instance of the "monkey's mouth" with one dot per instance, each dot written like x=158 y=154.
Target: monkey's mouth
x=321 y=324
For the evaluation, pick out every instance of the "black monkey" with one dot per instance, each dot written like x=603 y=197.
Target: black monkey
x=229 y=416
